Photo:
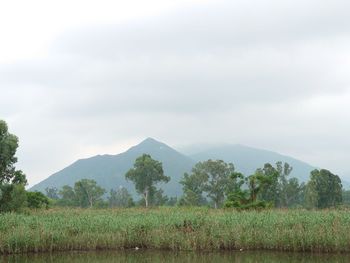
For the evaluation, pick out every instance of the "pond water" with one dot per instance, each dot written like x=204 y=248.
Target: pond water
x=140 y=256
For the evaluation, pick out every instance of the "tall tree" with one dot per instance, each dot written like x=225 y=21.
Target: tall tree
x=68 y=197
x=218 y=173
x=269 y=191
x=120 y=198
x=323 y=190
x=145 y=174
x=87 y=192
x=281 y=191
x=258 y=182
x=213 y=177
x=285 y=186
x=293 y=193
x=193 y=187
x=12 y=181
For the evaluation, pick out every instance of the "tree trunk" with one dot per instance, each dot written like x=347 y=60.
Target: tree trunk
x=145 y=196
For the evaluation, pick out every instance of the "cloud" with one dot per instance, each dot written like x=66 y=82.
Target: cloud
x=249 y=72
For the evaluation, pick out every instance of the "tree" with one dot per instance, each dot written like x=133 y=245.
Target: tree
x=145 y=174
x=12 y=181
x=37 y=200
x=87 y=192
x=193 y=187
x=323 y=190
x=68 y=197
x=269 y=179
x=218 y=173
x=293 y=193
x=259 y=184
x=212 y=177
x=285 y=186
x=52 y=193
x=346 y=197
x=280 y=191
x=157 y=198
x=172 y=201
x=311 y=195
x=120 y=198
x=12 y=197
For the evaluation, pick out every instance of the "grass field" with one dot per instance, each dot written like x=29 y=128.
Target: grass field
x=175 y=229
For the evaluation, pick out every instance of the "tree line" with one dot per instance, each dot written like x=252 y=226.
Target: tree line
x=213 y=183
x=13 y=196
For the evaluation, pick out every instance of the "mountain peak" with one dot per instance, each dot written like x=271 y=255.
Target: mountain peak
x=150 y=140
x=150 y=145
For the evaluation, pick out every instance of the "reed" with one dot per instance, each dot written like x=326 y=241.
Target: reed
x=175 y=229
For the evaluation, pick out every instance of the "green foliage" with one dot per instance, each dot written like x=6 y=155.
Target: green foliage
x=267 y=186
x=211 y=177
x=247 y=199
x=12 y=181
x=8 y=148
x=158 y=198
x=12 y=197
x=88 y=193
x=120 y=198
x=172 y=201
x=175 y=228
x=52 y=193
x=256 y=205
x=37 y=200
x=145 y=174
x=293 y=193
x=68 y=197
x=267 y=178
x=278 y=188
x=346 y=197
x=193 y=187
x=323 y=190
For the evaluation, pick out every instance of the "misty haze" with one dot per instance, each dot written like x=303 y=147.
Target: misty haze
x=193 y=125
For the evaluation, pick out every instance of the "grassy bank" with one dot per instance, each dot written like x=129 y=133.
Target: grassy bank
x=176 y=229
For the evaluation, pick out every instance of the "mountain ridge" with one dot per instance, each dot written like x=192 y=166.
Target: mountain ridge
x=108 y=170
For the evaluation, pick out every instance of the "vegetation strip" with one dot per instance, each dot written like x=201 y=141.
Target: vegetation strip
x=175 y=229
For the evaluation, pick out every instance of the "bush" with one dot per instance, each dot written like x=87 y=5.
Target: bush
x=37 y=200
x=12 y=197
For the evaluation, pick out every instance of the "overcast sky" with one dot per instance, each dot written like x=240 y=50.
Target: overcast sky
x=80 y=78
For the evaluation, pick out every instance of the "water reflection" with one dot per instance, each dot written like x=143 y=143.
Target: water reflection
x=131 y=256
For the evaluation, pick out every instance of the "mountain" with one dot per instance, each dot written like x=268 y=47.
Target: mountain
x=109 y=170
x=246 y=159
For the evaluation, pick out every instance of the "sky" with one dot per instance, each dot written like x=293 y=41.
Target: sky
x=81 y=78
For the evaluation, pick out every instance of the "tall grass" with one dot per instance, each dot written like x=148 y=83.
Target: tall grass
x=175 y=229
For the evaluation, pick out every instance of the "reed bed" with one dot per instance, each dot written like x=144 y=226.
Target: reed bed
x=175 y=229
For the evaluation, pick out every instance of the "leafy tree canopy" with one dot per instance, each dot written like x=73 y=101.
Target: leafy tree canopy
x=12 y=181
x=145 y=174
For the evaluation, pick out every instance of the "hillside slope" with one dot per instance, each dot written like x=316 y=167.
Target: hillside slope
x=246 y=159
x=109 y=170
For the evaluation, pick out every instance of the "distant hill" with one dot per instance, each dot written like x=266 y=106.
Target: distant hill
x=109 y=170
x=246 y=159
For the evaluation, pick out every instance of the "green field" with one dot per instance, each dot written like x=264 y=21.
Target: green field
x=175 y=229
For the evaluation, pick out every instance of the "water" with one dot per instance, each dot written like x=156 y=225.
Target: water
x=132 y=256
